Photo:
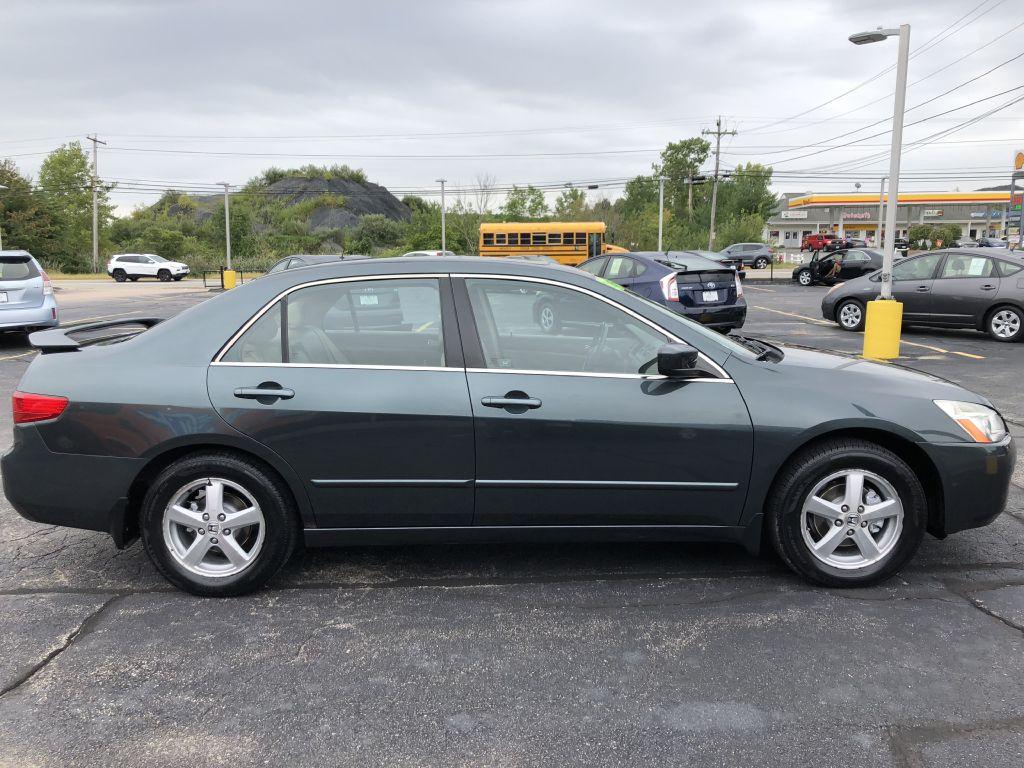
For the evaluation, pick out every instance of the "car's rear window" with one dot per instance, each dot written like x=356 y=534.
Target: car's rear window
x=17 y=268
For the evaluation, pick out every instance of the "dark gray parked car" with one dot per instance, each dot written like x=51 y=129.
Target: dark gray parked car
x=946 y=289
x=308 y=259
x=274 y=412
x=756 y=255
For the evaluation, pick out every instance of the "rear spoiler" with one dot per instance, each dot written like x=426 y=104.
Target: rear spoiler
x=59 y=340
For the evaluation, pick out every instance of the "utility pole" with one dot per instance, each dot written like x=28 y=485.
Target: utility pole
x=2 y=187
x=689 y=195
x=442 y=181
x=661 y=209
x=718 y=133
x=95 y=206
x=881 y=208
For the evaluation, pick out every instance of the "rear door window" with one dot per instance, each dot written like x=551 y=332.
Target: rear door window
x=966 y=266
x=920 y=268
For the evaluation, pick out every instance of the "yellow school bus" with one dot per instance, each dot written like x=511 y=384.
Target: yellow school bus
x=568 y=242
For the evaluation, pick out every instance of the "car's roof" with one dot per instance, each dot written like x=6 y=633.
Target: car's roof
x=320 y=258
x=692 y=259
x=16 y=252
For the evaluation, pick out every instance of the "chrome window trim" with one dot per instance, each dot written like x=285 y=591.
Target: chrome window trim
x=342 y=366
x=326 y=281
x=717 y=368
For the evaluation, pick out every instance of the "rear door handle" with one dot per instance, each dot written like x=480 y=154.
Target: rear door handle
x=923 y=289
x=265 y=395
x=511 y=402
x=988 y=287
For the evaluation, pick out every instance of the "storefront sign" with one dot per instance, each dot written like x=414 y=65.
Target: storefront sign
x=933 y=212
x=979 y=215
x=1018 y=160
x=793 y=215
x=856 y=215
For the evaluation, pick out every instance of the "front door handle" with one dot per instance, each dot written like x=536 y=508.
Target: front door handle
x=266 y=393
x=923 y=289
x=514 y=401
x=988 y=287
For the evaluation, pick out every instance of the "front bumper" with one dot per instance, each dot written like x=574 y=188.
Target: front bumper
x=975 y=481
x=69 y=489
x=43 y=316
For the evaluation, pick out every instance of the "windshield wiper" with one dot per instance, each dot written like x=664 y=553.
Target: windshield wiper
x=764 y=350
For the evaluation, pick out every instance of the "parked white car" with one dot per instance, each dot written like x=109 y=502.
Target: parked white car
x=132 y=266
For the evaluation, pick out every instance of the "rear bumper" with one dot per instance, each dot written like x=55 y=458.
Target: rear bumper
x=68 y=489
x=975 y=481
x=723 y=316
x=43 y=316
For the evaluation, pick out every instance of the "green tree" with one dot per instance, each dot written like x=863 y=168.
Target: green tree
x=25 y=221
x=571 y=205
x=65 y=181
x=680 y=161
x=524 y=204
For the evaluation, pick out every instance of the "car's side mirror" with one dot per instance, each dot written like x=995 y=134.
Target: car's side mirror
x=678 y=361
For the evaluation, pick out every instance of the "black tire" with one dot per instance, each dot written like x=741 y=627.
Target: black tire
x=805 y=277
x=163 y=276
x=177 y=278
x=119 y=275
x=817 y=462
x=761 y=262
x=1001 y=322
x=546 y=316
x=281 y=520
x=134 y=278
x=854 y=317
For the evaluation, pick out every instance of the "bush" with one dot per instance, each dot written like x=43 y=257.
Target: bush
x=375 y=230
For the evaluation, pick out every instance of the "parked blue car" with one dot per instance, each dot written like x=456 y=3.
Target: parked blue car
x=692 y=285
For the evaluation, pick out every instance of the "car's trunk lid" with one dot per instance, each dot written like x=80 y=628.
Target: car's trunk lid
x=21 y=284
x=707 y=287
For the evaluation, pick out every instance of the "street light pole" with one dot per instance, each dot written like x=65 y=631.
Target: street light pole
x=885 y=316
x=227 y=224
x=443 y=243
x=881 y=210
x=2 y=187
x=661 y=209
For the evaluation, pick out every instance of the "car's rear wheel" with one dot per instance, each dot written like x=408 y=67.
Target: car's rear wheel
x=1006 y=324
x=120 y=275
x=547 y=317
x=847 y=513
x=850 y=315
x=804 y=277
x=217 y=524
x=760 y=262
x=164 y=276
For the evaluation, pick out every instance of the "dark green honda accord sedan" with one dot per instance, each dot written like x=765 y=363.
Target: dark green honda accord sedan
x=400 y=400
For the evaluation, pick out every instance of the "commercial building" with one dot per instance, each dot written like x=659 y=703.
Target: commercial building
x=984 y=213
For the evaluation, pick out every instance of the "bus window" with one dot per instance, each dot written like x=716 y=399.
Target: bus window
x=513 y=238
x=581 y=238
x=488 y=238
x=499 y=238
x=540 y=238
x=524 y=238
x=554 y=238
x=595 y=244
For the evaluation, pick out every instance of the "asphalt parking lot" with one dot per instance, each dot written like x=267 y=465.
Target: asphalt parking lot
x=617 y=654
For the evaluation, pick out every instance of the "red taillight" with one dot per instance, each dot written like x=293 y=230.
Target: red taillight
x=669 y=287
x=47 y=285
x=29 y=407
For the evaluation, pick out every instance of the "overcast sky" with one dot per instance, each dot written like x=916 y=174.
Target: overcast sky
x=363 y=83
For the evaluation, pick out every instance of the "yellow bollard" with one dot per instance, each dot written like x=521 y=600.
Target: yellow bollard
x=882 y=329
x=230 y=279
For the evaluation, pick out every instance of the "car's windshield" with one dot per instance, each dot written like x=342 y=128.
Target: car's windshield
x=729 y=343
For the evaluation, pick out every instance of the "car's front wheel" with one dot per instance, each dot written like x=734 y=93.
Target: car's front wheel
x=177 y=278
x=164 y=276
x=217 y=524
x=804 y=277
x=847 y=513
x=1006 y=324
x=850 y=315
x=760 y=262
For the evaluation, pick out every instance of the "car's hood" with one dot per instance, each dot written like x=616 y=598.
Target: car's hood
x=820 y=368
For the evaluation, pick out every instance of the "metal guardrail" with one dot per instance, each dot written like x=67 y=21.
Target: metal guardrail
x=220 y=277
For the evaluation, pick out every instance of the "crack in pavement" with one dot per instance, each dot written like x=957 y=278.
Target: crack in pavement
x=87 y=625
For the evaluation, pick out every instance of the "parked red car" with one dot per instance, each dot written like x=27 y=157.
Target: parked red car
x=817 y=241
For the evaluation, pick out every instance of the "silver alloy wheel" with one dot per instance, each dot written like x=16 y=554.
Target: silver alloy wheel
x=547 y=317
x=214 y=527
x=852 y=519
x=804 y=278
x=850 y=315
x=1005 y=324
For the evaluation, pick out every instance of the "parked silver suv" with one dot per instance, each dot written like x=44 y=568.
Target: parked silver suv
x=26 y=295
x=755 y=255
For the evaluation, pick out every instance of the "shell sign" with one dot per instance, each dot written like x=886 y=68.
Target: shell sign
x=1018 y=161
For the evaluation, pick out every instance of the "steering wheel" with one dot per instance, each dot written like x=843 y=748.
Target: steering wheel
x=598 y=344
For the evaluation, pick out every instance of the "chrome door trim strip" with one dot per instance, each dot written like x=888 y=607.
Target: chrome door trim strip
x=623 y=484
x=426 y=483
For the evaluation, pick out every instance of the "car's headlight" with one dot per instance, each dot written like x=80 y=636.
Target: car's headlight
x=980 y=422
